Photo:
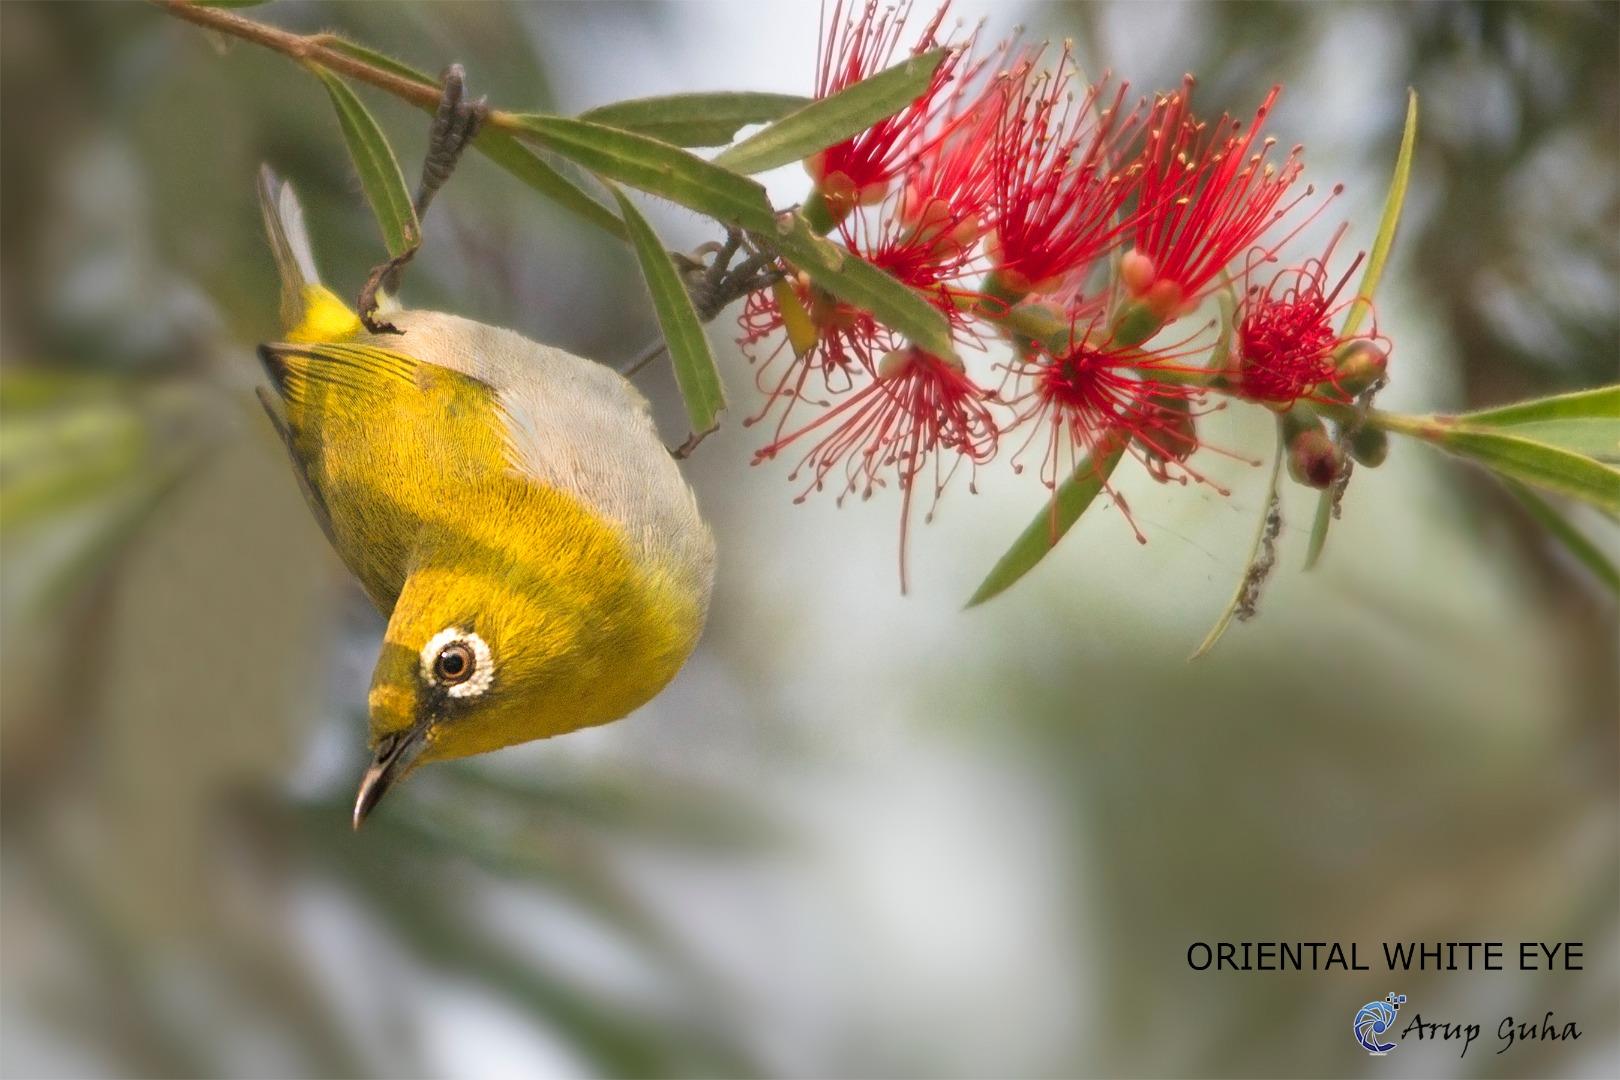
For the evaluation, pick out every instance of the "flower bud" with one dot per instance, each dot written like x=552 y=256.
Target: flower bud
x=1136 y=269
x=816 y=165
x=1369 y=446
x=1314 y=459
x=1137 y=322
x=836 y=195
x=1358 y=365
x=828 y=313
x=1164 y=298
x=1005 y=286
x=1029 y=325
x=893 y=363
x=1175 y=434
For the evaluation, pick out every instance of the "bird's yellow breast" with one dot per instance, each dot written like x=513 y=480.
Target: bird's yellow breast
x=426 y=508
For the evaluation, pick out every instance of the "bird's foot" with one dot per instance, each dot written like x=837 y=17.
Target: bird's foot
x=455 y=126
x=717 y=284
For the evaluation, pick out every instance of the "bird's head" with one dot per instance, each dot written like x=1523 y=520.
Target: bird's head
x=452 y=664
x=475 y=661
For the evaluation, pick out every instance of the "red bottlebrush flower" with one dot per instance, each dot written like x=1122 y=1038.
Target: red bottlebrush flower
x=926 y=233
x=860 y=170
x=1285 y=344
x=1204 y=196
x=1059 y=184
x=836 y=344
x=1099 y=395
x=930 y=233
x=917 y=408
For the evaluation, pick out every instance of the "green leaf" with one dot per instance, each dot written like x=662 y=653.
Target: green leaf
x=660 y=169
x=1573 y=539
x=1600 y=403
x=1226 y=301
x=847 y=113
x=695 y=370
x=374 y=160
x=704 y=119
x=71 y=439
x=1393 y=201
x=1596 y=439
x=501 y=147
x=654 y=167
x=1386 y=225
x=377 y=59
x=504 y=150
x=851 y=278
x=1261 y=555
x=1070 y=500
x=1319 y=529
x=1531 y=462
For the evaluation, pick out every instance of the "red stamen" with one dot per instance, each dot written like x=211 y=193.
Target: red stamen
x=1206 y=194
x=916 y=407
x=1285 y=344
x=1060 y=189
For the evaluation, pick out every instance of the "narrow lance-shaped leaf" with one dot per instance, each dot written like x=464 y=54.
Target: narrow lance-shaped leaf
x=700 y=119
x=1261 y=556
x=1387 y=224
x=1531 y=462
x=851 y=278
x=1070 y=500
x=1226 y=301
x=378 y=169
x=1320 y=522
x=1596 y=439
x=501 y=147
x=845 y=114
x=654 y=167
x=1599 y=403
x=1586 y=422
x=377 y=59
x=1574 y=541
x=689 y=354
x=504 y=150
x=672 y=173
x=1394 y=199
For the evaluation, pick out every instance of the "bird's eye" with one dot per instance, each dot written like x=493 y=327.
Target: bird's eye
x=454 y=663
x=459 y=662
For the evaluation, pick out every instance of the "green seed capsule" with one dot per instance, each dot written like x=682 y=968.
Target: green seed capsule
x=1369 y=446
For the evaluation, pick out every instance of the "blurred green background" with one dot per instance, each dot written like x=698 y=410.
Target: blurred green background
x=860 y=834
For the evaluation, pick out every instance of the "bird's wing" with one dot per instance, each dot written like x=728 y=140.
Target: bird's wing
x=350 y=418
x=317 y=505
x=302 y=375
x=579 y=427
x=301 y=372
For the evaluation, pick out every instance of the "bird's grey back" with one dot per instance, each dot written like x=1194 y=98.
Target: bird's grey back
x=577 y=426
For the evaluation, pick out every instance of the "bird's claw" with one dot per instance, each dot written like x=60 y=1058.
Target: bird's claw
x=455 y=125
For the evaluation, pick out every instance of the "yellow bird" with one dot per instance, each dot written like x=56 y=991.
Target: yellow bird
x=507 y=506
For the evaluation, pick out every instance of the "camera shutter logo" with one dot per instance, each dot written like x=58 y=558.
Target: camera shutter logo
x=1373 y=1020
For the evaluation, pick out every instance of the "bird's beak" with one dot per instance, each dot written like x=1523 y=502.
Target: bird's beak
x=393 y=759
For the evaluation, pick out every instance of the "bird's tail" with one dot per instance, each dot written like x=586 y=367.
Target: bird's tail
x=310 y=312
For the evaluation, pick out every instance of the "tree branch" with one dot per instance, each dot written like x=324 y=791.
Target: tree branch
x=316 y=48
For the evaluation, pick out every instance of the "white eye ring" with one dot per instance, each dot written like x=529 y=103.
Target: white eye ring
x=483 y=672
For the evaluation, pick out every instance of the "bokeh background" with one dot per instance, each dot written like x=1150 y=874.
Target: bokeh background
x=861 y=834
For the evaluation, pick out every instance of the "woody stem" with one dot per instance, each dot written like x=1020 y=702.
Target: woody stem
x=319 y=49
